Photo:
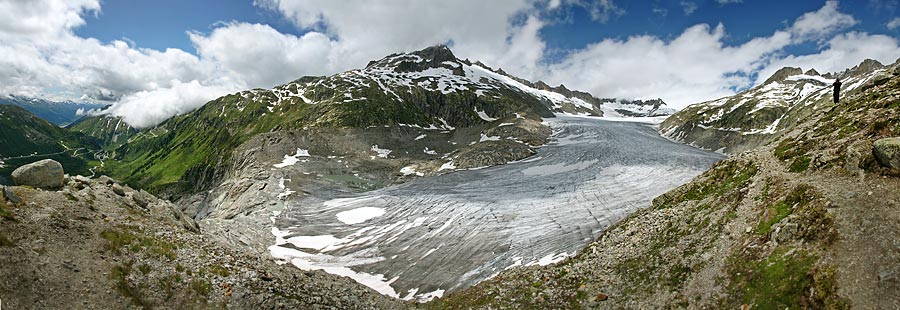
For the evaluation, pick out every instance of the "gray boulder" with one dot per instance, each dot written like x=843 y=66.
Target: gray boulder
x=46 y=173
x=888 y=152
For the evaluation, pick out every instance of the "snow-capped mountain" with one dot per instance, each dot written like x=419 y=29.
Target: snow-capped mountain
x=751 y=118
x=435 y=70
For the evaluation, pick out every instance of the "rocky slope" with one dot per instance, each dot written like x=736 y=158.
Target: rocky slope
x=809 y=220
x=98 y=244
x=26 y=138
x=756 y=116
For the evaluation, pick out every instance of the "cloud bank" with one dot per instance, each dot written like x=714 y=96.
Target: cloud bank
x=44 y=58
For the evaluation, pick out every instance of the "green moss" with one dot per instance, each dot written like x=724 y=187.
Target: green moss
x=124 y=237
x=117 y=238
x=780 y=281
x=800 y=164
x=778 y=212
x=219 y=270
x=798 y=198
x=722 y=178
x=201 y=286
x=119 y=275
x=791 y=148
x=825 y=290
x=6 y=214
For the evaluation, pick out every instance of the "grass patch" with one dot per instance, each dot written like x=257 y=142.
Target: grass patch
x=721 y=179
x=779 y=281
x=800 y=164
x=776 y=213
x=124 y=237
x=201 y=286
x=116 y=239
x=800 y=196
x=6 y=214
x=219 y=270
x=119 y=275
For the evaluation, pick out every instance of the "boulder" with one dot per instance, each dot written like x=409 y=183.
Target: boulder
x=46 y=173
x=118 y=189
x=887 y=151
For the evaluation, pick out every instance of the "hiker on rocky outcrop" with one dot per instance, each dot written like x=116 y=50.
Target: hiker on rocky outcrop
x=837 y=90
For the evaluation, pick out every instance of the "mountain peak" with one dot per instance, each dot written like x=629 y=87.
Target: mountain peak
x=867 y=66
x=783 y=73
x=430 y=57
x=436 y=54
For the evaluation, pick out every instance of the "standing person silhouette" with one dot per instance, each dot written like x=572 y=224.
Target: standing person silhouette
x=837 y=90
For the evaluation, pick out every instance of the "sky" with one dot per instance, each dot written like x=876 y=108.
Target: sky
x=156 y=59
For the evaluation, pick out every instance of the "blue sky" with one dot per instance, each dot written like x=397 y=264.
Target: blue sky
x=155 y=59
x=163 y=24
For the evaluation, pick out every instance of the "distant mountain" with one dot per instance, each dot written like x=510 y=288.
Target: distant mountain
x=753 y=117
x=110 y=131
x=26 y=138
x=59 y=113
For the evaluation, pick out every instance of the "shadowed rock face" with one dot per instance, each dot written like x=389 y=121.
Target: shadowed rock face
x=451 y=231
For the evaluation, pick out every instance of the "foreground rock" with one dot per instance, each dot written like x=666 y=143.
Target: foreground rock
x=98 y=244
x=46 y=173
x=888 y=152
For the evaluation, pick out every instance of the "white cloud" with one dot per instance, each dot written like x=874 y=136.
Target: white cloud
x=842 y=52
x=147 y=108
x=367 y=30
x=600 y=10
x=693 y=67
x=894 y=23
x=729 y=1
x=42 y=19
x=688 y=7
x=827 y=20
x=263 y=57
x=698 y=65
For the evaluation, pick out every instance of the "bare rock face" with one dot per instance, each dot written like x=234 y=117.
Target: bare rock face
x=46 y=173
x=888 y=152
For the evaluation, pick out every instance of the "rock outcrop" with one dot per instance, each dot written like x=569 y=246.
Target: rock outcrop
x=46 y=173
x=98 y=244
x=888 y=152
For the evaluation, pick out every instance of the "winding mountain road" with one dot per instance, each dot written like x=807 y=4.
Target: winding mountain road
x=438 y=234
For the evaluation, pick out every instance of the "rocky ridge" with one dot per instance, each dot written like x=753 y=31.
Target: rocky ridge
x=754 y=117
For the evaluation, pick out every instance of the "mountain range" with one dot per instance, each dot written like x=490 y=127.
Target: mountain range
x=60 y=113
x=429 y=89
